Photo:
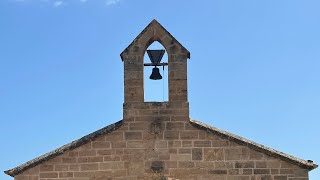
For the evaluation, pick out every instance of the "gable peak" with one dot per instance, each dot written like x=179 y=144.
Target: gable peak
x=154 y=31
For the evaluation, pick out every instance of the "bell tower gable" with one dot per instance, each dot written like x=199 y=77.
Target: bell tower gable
x=132 y=58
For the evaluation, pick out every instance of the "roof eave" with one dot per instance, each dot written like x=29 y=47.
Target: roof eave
x=74 y=144
x=253 y=145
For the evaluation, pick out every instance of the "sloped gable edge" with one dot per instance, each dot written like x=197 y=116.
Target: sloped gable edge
x=150 y=25
x=306 y=164
x=70 y=146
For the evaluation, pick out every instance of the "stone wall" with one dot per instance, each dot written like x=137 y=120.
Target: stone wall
x=163 y=147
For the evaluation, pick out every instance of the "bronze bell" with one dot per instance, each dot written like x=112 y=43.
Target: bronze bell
x=155 y=57
x=155 y=75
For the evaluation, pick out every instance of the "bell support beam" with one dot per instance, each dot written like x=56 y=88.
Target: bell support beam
x=159 y=64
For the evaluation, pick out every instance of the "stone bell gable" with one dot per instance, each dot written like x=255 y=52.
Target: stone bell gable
x=132 y=58
x=157 y=140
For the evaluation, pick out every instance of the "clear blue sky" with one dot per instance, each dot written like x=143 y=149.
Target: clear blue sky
x=254 y=69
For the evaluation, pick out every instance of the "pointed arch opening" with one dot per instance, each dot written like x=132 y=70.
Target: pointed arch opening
x=155 y=90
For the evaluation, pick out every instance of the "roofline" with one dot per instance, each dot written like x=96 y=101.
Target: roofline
x=306 y=164
x=74 y=144
x=112 y=127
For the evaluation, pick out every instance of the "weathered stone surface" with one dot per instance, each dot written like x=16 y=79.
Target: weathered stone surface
x=197 y=154
x=129 y=156
x=213 y=154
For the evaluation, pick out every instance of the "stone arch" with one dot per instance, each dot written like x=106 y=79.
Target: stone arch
x=144 y=47
x=154 y=32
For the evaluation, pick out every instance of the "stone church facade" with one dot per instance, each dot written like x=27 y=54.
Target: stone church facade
x=157 y=140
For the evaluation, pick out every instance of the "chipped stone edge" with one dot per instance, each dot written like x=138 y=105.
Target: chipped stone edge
x=255 y=146
x=74 y=144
